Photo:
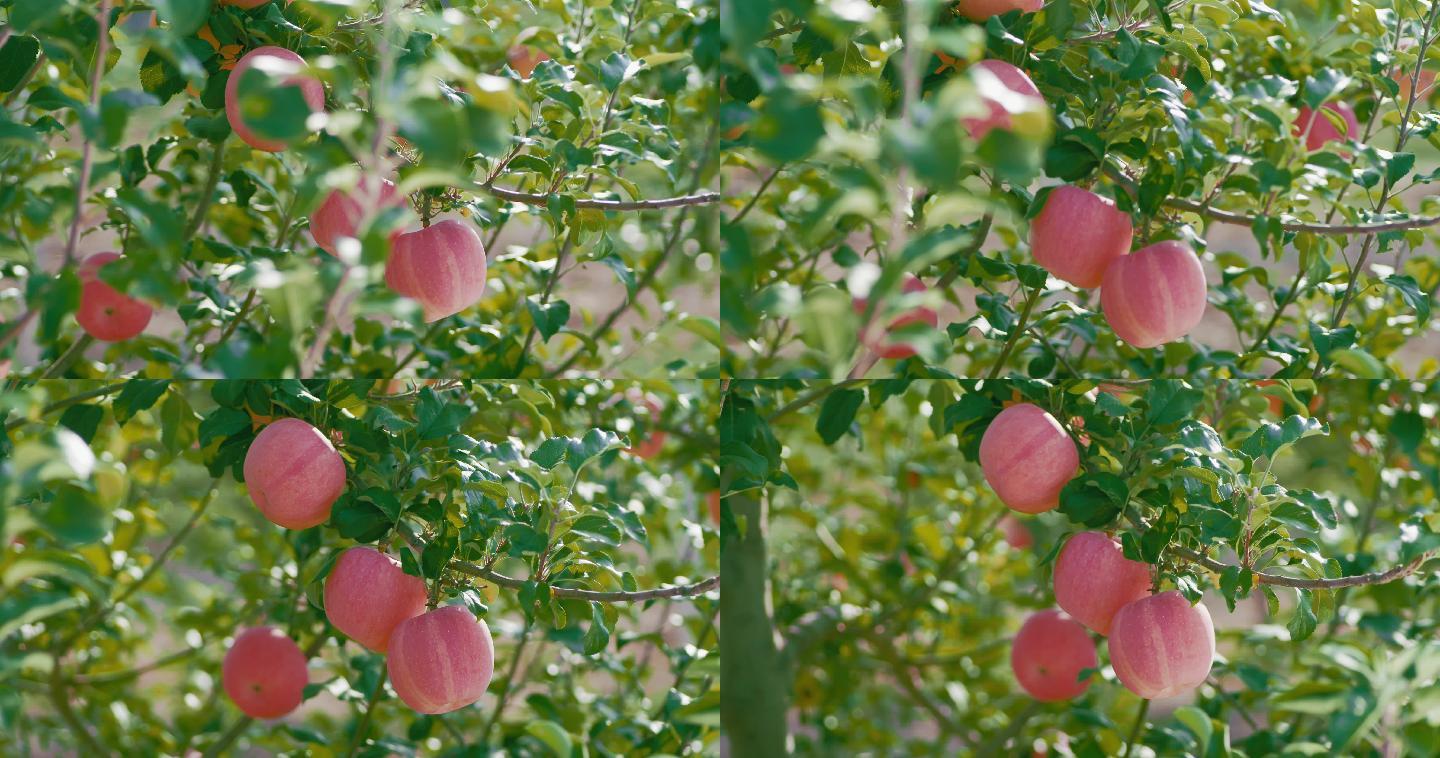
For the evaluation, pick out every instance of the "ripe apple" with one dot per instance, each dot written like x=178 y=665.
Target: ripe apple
x=104 y=312
x=885 y=348
x=1048 y=655
x=264 y=673
x=980 y=10
x=713 y=501
x=1094 y=579
x=1154 y=295
x=649 y=447
x=310 y=89
x=341 y=213
x=1027 y=458
x=1016 y=535
x=443 y=267
x=442 y=660
x=367 y=595
x=1077 y=234
x=999 y=118
x=524 y=59
x=294 y=474
x=1162 y=645
x=1323 y=131
x=1427 y=86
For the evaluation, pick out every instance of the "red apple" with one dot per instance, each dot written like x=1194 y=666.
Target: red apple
x=367 y=595
x=342 y=213
x=1323 y=131
x=1027 y=458
x=713 y=501
x=269 y=55
x=1094 y=579
x=441 y=661
x=649 y=447
x=980 y=10
x=104 y=312
x=1014 y=80
x=1427 y=86
x=443 y=267
x=264 y=673
x=1162 y=645
x=1048 y=655
x=1155 y=295
x=524 y=59
x=1077 y=234
x=886 y=348
x=294 y=474
x=1016 y=535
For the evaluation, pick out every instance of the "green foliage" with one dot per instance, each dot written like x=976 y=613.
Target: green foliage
x=1267 y=500
x=849 y=153
x=213 y=233
x=132 y=555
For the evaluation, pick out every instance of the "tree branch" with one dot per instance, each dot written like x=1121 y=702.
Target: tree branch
x=1381 y=577
x=702 y=198
x=679 y=590
x=60 y=405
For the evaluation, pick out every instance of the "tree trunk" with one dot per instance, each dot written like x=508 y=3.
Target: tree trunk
x=753 y=707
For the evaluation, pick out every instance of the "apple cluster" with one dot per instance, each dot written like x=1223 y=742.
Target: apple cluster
x=1149 y=297
x=1160 y=644
x=441 y=266
x=438 y=659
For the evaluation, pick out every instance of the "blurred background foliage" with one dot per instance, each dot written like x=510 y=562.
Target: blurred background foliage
x=897 y=579
x=131 y=554
x=838 y=183
x=615 y=110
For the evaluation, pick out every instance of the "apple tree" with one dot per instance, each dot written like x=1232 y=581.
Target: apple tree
x=354 y=188
x=526 y=568
x=880 y=597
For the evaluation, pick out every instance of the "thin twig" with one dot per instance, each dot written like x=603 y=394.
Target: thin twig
x=60 y=405
x=701 y=198
x=1380 y=577
x=369 y=709
x=678 y=590
x=102 y=46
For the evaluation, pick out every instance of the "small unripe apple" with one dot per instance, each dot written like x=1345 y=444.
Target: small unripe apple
x=294 y=474
x=649 y=447
x=1154 y=295
x=880 y=344
x=1014 y=80
x=1323 y=130
x=1077 y=234
x=1016 y=535
x=264 y=673
x=524 y=59
x=341 y=213
x=442 y=660
x=980 y=10
x=310 y=89
x=443 y=267
x=1048 y=655
x=1094 y=579
x=104 y=312
x=367 y=595
x=1027 y=458
x=1162 y=645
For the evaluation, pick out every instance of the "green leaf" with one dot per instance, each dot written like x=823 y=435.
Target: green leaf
x=437 y=418
x=597 y=527
x=83 y=420
x=788 y=127
x=75 y=517
x=595 y=442
x=1302 y=624
x=837 y=413
x=268 y=106
x=437 y=556
x=137 y=395
x=222 y=422
x=597 y=637
x=549 y=318
x=524 y=538
x=16 y=58
x=184 y=17
x=1269 y=438
x=1094 y=500
x=550 y=452
x=1323 y=85
x=1410 y=291
x=359 y=520
x=1060 y=18
x=1169 y=400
